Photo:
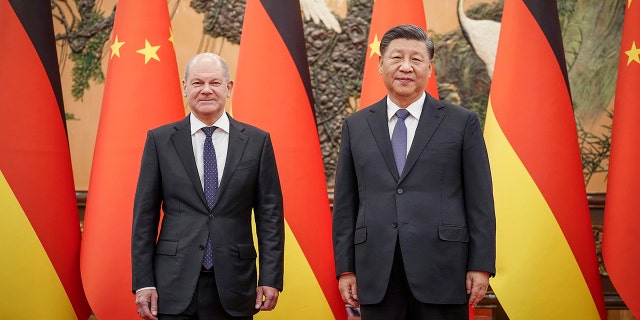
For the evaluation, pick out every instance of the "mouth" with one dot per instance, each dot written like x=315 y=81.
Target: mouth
x=404 y=80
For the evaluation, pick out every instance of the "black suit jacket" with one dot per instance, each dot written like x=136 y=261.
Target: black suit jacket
x=169 y=180
x=440 y=209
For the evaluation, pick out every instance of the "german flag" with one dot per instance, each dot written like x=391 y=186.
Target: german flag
x=621 y=219
x=40 y=230
x=546 y=259
x=384 y=16
x=273 y=92
x=142 y=91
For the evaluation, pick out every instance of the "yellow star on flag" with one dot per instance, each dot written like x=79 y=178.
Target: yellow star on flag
x=633 y=54
x=375 y=46
x=115 y=47
x=628 y=4
x=171 y=37
x=149 y=51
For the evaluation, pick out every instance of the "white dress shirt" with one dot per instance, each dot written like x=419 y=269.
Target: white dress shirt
x=220 y=139
x=415 y=110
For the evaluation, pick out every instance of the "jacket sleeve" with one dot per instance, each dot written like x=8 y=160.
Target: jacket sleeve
x=345 y=207
x=269 y=217
x=478 y=191
x=146 y=216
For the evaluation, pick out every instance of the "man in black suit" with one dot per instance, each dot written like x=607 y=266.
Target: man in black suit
x=413 y=217
x=204 y=218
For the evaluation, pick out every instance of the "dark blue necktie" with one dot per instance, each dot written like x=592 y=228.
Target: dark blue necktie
x=210 y=187
x=399 y=140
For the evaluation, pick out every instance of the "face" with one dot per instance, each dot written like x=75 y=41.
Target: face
x=405 y=68
x=207 y=89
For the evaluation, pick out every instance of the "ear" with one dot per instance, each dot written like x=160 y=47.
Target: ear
x=229 y=88
x=184 y=88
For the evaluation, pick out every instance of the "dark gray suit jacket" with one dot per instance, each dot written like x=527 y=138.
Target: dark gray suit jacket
x=440 y=208
x=169 y=180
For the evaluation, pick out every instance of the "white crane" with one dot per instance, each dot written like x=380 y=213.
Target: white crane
x=483 y=36
x=318 y=11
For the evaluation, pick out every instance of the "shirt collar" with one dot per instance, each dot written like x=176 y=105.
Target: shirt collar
x=196 y=124
x=415 y=109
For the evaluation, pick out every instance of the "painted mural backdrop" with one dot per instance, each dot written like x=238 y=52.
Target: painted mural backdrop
x=335 y=33
x=336 y=46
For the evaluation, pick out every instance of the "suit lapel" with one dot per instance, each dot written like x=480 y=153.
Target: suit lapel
x=182 y=142
x=237 y=143
x=379 y=125
x=431 y=117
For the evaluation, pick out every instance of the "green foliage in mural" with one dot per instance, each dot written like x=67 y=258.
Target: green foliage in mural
x=87 y=64
x=594 y=149
x=85 y=35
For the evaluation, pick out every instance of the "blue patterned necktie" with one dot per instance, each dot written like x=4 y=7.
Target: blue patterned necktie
x=210 y=186
x=399 y=140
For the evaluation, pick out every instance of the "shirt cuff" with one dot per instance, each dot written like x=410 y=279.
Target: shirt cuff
x=145 y=288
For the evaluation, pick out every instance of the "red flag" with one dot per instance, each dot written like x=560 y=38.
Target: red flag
x=544 y=236
x=386 y=15
x=142 y=91
x=621 y=219
x=276 y=96
x=40 y=231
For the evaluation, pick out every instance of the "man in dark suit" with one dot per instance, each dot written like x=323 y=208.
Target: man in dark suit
x=413 y=217
x=202 y=265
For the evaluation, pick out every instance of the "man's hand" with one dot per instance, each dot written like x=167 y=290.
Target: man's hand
x=266 y=298
x=477 y=284
x=348 y=289
x=147 y=303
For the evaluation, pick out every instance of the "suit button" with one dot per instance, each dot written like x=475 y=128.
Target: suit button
x=201 y=247
x=394 y=225
x=400 y=191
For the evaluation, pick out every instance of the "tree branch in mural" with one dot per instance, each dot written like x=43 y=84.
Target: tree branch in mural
x=592 y=31
x=85 y=34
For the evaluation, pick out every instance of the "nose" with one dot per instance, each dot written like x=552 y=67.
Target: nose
x=406 y=65
x=207 y=88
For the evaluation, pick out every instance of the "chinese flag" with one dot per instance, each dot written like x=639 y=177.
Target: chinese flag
x=40 y=229
x=621 y=220
x=386 y=15
x=546 y=258
x=276 y=96
x=142 y=91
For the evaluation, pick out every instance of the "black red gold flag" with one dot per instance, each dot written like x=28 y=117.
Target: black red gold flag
x=544 y=236
x=40 y=228
x=273 y=91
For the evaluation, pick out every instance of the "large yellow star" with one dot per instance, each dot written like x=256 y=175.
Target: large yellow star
x=375 y=46
x=115 y=48
x=171 y=37
x=149 y=51
x=628 y=4
x=633 y=54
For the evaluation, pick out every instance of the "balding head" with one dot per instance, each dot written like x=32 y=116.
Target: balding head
x=208 y=55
